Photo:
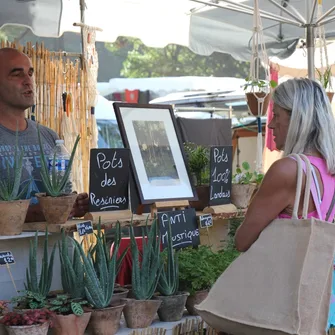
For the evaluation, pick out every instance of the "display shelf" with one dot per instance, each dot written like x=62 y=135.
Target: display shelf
x=22 y=235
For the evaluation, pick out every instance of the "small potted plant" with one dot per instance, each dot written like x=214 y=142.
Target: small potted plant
x=140 y=311
x=244 y=185
x=55 y=203
x=173 y=301
x=256 y=90
x=35 y=322
x=12 y=208
x=198 y=164
x=28 y=301
x=325 y=79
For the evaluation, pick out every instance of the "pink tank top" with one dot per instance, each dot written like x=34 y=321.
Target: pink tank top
x=328 y=182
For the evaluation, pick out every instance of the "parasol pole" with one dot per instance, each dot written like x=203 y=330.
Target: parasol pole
x=310 y=40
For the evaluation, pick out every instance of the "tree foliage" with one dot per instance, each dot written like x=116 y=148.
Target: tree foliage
x=174 y=60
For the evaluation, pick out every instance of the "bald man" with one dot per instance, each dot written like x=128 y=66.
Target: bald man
x=17 y=93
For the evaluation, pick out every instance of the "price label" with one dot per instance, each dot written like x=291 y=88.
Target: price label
x=206 y=220
x=85 y=228
x=6 y=257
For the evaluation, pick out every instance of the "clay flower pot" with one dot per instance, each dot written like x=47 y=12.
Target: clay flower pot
x=56 y=209
x=71 y=324
x=28 y=330
x=13 y=215
x=253 y=102
x=140 y=313
x=241 y=194
x=203 y=198
x=195 y=299
x=118 y=294
x=106 y=321
x=172 y=307
x=330 y=96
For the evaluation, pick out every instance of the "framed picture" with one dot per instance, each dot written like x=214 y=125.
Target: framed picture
x=157 y=154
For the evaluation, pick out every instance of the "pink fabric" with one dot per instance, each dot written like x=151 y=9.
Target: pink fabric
x=328 y=182
x=269 y=142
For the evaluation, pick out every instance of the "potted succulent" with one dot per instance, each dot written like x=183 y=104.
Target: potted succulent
x=99 y=279
x=55 y=203
x=325 y=79
x=70 y=317
x=12 y=208
x=257 y=90
x=198 y=164
x=173 y=301
x=244 y=185
x=140 y=310
x=35 y=322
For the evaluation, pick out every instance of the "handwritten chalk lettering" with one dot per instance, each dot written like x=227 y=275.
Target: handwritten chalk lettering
x=108 y=182
x=220 y=157
x=219 y=195
x=105 y=164
x=85 y=228
x=184 y=238
x=221 y=177
x=6 y=257
x=107 y=202
x=165 y=218
x=206 y=221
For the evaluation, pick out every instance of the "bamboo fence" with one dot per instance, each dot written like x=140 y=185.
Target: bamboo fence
x=55 y=74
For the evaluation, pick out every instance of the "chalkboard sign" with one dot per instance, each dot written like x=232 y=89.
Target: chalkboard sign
x=6 y=257
x=206 y=220
x=109 y=179
x=184 y=228
x=85 y=228
x=221 y=175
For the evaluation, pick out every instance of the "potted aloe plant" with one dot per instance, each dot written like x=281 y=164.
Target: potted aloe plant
x=244 y=185
x=12 y=208
x=325 y=79
x=56 y=204
x=173 y=301
x=141 y=309
x=99 y=279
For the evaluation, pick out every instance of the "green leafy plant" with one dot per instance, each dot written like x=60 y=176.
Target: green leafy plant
x=72 y=270
x=198 y=162
x=4 y=307
x=259 y=84
x=30 y=300
x=146 y=274
x=55 y=183
x=41 y=286
x=99 y=270
x=325 y=78
x=168 y=283
x=28 y=318
x=245 y=176
x=65 y=305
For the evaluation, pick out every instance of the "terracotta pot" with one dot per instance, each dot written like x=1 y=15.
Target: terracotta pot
x=241 y=194
x=56 y=209
x=330 y=96
x=28 y=330
x=106 y=321
x=172 y=307
x=13 y=215
x=71 y=324
x=195 y=299
x=130 y=294
x=253 y=102
x=140 y=313
x=118 y=294
x=203 y=198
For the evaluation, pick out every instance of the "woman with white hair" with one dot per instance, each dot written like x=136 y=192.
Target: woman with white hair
x=303 y=123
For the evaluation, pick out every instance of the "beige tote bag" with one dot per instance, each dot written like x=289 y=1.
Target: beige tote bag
x=282 y=284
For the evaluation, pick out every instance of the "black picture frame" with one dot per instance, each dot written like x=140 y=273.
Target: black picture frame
x=188 y=191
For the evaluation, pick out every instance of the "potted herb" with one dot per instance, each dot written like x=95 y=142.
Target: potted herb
x=70 y=317
x=173 y=301
x=325 y=79
x=99 y=279
x=12 y=208
x=244 y=185
x=145 y=276
x=256 y=90
x=35 y=322
x=198 y=164
x=55 y=203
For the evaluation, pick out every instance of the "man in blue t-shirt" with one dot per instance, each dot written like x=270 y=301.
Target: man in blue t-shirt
x=17 y=93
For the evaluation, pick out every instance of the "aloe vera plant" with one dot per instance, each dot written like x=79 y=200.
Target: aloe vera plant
x=99 y=270
x=54 y=183
x=168 y=283
x=145 y=275
x=41 y=286
x=72 y=270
